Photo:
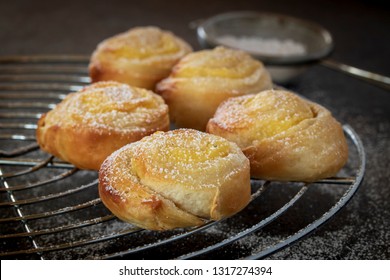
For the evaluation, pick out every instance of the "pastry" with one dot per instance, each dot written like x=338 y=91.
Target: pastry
x=174 y=179
x=202 y=80
x=285 y=137
x=87 y=126
x=140 y=57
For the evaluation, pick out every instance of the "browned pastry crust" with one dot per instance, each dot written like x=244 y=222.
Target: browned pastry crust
x=284 y=136
x=87 y=126
x=140 y=57
x=202 y=80
x=175 y=179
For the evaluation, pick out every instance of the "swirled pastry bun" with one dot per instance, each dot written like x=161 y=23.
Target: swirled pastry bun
x=87 y=126
x=202 y=80
x=285 y=137
x=140 y=57
x=175 y=179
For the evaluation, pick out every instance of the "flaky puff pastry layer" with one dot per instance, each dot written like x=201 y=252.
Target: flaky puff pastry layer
x=87 y=126
x=175 y=179
x=202 y=80
x=285 y=137
x=140 y=57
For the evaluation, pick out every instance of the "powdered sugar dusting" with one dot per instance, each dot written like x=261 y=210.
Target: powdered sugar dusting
x=262 y=115
x=192 y=158
x=278 y=126
x=219 y=62
x=111 y=106
x=143 y=45
x=264 y=46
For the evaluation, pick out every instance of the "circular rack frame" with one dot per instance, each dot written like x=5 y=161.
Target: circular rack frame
x=51 y=210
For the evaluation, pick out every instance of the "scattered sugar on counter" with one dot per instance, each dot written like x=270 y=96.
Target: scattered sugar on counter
x=265 y=46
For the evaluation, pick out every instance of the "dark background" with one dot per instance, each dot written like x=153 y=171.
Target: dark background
x=361 y=31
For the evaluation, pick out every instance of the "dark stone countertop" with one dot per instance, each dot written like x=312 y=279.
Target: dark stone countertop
x=361 y=33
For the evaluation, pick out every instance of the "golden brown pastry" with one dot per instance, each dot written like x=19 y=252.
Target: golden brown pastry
x=87 y=126
x=140 y=57
x=175 y=179
x=202 y=80
x=285 y=137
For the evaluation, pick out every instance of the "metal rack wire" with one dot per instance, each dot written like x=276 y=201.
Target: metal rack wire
x=51 y=210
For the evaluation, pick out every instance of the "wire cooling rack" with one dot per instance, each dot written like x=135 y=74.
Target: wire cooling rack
x=51 y=210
